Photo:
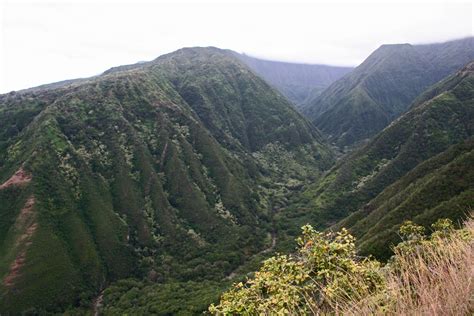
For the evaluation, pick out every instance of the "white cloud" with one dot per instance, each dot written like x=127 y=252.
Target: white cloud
x=46 y=41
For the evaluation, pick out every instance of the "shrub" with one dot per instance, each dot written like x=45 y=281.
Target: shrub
x=324 y=270
x=426 y=276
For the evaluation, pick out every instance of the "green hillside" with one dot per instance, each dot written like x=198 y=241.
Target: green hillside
x=163 y=171
x=362 y=103
x=441 y=187
x=152 y=187
x=409 y=170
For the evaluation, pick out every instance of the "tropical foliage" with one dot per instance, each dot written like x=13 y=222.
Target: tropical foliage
x=425 y=276
x=324 y=269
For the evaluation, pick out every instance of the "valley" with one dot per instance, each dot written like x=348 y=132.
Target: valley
x=153 y=187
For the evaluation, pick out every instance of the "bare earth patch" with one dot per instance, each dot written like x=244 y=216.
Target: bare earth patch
x=21 y=177
x=25 y=223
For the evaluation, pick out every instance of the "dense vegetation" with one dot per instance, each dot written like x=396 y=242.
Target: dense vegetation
x=418 y=167
x=362 y=103
x=133 y=297
x=151 y=188
x=297 y=82
x=162 y=172
x=427 y=275
x=323 y=268
x=439 y=187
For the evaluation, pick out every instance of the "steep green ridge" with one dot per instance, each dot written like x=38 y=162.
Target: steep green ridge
x=366 y=100
x=441 y=187
x=163 y=170
x=392 y=178
x=297 y=82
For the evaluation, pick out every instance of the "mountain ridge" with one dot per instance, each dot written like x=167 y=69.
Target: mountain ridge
x=436 y=126
x=296 y=81
x=366 y=100
x=177 y=176
x=155 y=171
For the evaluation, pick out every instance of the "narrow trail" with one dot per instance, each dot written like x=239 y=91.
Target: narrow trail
x=272 y=246
x=97 y=304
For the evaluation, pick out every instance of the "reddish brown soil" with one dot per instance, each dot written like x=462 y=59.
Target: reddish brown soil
x=25 y=223
x=15 y=269
x=20 y=177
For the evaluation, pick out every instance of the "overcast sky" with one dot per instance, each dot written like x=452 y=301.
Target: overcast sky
x=47 y=41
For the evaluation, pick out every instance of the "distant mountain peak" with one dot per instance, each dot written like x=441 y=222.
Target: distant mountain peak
x=362 y=103
x=296 y=81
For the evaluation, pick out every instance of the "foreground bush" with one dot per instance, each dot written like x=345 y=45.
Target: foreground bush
x=426 y=276
x=324 y=270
